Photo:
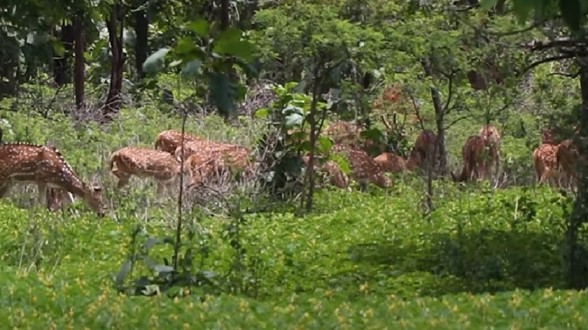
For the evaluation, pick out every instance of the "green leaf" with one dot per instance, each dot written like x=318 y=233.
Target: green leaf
x=58 y=48
x=200 y=26
x=262 y=113
x=293 y=119
x=522 y=9
x=152 y=241
x=229 y=43
x=324 y=144
x=341 y=161
x=184 y=46
x=191 y=69
x=122 y=273
x=155 y=61
x=222 y=91
x=175 y=63
x=488 y=4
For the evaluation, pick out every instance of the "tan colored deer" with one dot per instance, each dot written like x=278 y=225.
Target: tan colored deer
x=545 y=163
x=332 y=171
x=363 y=168
x=473 y=160
x=170 y=140
x=143 y=163
x=203 y=147
x=567 y=157
x=212 y=161
x=390 y=162
x=491 y=139
x=422 y=151
x=46 y=167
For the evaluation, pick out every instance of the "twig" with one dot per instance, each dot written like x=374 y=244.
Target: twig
x=543 y=61
x=181 y=193
x=456 y=121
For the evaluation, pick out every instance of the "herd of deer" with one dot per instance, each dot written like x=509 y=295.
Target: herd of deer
x=206 y=159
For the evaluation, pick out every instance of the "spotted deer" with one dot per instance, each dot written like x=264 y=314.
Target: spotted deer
x=344 y=132
x=143 y=163
x=390 y=162
x=423 y=150
x=566 y=158
x=46 y=167
x=363 y=168
x=203 y=147
x=491 y=139
x=472 y=153
x=349 y=134
x=547 y=136
x=545 y=163
x=212 y=161
x=170 y=140
x=332 y=171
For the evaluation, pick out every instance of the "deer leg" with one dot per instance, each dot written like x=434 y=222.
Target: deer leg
x=123 y=179
x=43 y=194
x=4 y=189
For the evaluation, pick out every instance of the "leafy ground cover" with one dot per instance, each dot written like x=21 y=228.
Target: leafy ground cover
x=361 y=260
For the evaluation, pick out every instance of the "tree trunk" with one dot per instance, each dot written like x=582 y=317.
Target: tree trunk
x=312 y=140
x=224 y=19
x=60 y=64
x=142 y=42
x=113 y=99
x=79 y=63
x=440 y=157
x=576 y=255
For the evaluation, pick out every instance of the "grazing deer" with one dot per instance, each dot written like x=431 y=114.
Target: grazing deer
x=202 y=147
x=45 y=166
x=363 y=168
x=170 y=140
x=344 y=132
x=545 y=162
x=332 y=171
x=349 y=134
x=144 y=162
x=390 y=162
x=491 y=139
x=215 y=160
x=472 y=153
x=567 y=158
x=423 y=150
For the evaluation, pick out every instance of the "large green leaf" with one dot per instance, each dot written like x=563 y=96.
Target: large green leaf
x=155 y=61
x=58 y=48
x=522 y=9
x=324 y=144
x=293 y=119
x=229 y=42
x=122 y=273
x=200 y=26
x=488 y=4
x=191 y=69
x=222 y=91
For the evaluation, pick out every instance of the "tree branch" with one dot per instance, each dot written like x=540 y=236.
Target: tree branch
x=543 y=61
x=568 y=75
x=523 y=30
x=540 y=45
x=449 y=91
x=456 y=121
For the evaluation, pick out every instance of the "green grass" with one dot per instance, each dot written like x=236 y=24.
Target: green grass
x=372 y=262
